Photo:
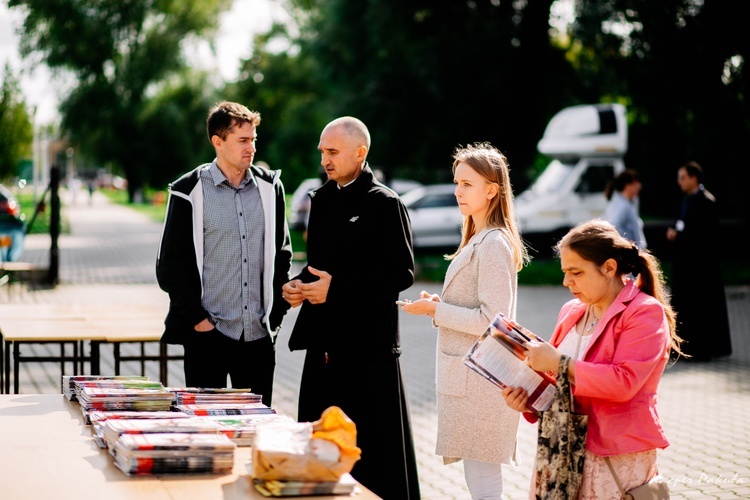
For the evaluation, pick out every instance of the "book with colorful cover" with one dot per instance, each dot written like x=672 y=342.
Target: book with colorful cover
x=225 y=409
x=499 y=355
x=346 y=485
x=97 y=419
x=113 y=429
x=241 y=428
x=134 y=466
x=185 y=397
x=69 y=382
x=174 y=444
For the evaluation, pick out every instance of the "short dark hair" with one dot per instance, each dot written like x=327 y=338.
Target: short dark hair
x=224 y=116
x=694 y=170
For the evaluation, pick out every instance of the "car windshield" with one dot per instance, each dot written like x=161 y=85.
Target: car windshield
x=552 y=178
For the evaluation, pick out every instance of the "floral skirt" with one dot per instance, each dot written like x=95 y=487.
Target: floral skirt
x=633 y=469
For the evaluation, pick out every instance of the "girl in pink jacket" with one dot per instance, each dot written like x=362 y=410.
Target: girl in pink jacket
x=618 y=332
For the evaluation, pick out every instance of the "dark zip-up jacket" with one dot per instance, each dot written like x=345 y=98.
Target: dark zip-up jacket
x=179 y=263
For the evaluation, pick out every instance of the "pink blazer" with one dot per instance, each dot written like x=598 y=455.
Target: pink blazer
x=618 y=375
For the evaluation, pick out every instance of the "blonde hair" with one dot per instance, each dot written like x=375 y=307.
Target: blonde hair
x=491 y=164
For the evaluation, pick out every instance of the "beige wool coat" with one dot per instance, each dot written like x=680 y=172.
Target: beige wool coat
x=474 y=422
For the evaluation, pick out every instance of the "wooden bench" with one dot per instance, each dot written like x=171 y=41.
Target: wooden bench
x=20 y=272
x=74 y=325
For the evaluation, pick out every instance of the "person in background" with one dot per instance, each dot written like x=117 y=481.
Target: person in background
x=360 y=256
x=481 y=281
x=618 y=332
x=697 y=285
x=622 y=209
x=91 y=186
x=225 y=253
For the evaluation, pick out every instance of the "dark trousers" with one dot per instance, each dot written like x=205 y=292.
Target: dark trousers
x=212 y=356
x=369 y=389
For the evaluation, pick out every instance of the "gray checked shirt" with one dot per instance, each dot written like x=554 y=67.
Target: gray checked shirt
x=233 y=236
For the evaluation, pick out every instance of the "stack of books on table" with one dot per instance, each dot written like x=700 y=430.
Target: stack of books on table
x=98 y=419
x=174 y=453
x=195 y=395
x=241 y=428
x=346 y=485
x=69 y=382
x=115 y=428
x=225 y=409
x=107 y=398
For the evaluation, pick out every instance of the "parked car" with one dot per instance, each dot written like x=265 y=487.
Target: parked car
x=300 y=203
x=435 y=218
x=12 y=227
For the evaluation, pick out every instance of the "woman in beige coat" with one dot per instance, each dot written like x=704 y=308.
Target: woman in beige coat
x=480 y=282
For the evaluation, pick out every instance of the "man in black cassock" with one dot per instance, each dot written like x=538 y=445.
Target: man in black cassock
x=696 y=283
x=360 y=257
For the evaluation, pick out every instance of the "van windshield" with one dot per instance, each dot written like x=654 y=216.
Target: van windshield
x=552 y=178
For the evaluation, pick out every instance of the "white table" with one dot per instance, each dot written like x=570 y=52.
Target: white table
x=46 y=452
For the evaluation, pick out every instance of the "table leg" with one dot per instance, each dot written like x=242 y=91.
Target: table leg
x=95 y=357
x=7 y=367
x=116 y=354
x=163 y=363
x=2 y=364
x=16 y=366
x=143 y=358
x=63 y=358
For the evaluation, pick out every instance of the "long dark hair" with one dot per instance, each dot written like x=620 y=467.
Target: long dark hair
x=598 y=241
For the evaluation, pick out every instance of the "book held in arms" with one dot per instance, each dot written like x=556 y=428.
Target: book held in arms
x=499 y=355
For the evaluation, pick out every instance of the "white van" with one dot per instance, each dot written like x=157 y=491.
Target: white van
x=587 y=144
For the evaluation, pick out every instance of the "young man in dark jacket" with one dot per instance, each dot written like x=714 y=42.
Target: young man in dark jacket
x=225 y=253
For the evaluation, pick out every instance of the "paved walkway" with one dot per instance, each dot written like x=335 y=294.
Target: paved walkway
x=705 y=408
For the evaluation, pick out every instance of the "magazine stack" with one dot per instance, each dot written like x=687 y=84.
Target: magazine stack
x=98 y=419
x=124 y=395
x=174 y=453
x=241 y=428
x=225 y=409
x=115 y=428
x=346 y=485
x=194 y=395
x=69 y=382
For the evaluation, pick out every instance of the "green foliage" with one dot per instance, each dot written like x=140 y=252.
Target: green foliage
x=16 y=129
x=41 y=223
x=427 y=77
x=284 y=88
x=683 y=66
x=176 y=115
x=118 y=52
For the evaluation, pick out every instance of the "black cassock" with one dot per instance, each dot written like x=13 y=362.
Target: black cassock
x=696 y=283
x=361 y=235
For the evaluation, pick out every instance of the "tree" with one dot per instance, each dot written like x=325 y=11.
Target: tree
x=176 y=115
x=119 y=52
x=16 y=129
x=428 y=76
x=683 y=68
x=293 y=102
